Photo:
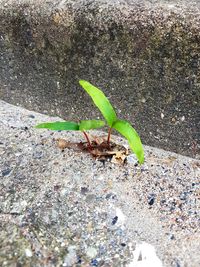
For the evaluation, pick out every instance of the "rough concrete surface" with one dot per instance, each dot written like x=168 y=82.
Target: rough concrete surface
x=64 y=208
x=143 y=54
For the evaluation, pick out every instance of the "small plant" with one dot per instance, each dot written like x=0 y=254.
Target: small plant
x=122 y=126
x=108 y=112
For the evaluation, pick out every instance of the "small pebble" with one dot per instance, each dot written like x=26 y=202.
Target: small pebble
x=6 y=172
x=31 y=116
x=131 y=159
x=91 y=252
x=114 y=220
x=151 y=199
x=28 y=252
x=84 y=190
x=183 y=196
x=94 y=262
x=62 y=144
x=71 y=258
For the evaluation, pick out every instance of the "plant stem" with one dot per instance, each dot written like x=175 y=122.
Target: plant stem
x=109 y=133
x=88 y=140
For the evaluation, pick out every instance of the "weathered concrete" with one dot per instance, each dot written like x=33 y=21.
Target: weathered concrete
x=143 y=54
x=66 y=209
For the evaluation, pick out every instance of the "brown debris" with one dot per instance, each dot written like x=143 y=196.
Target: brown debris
x=99 y=149
x=62 y=144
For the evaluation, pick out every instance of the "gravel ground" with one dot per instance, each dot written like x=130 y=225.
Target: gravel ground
x=63 y=208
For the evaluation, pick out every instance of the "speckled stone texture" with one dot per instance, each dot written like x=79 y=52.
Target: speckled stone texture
x=143 y=54
x=63 y=208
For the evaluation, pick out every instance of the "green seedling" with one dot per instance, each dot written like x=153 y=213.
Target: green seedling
x=122 y=126
x=83 y=126
x=108 y=112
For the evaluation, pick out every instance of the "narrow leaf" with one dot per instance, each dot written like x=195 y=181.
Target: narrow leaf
x=125 y=129
x=101 y=101
x=90 y=124
x=59 y=125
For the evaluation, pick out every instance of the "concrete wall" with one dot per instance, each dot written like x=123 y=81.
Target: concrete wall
x=145 y=55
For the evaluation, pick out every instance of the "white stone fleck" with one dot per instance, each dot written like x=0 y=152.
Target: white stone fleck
x=183 y=118
x=64 y=192
x=71 y=257
x=28 y=252
x=143 y=100
x=91 y=252
x=131 y=159
x=144 y=255
x=19 y=207
x=120 y=215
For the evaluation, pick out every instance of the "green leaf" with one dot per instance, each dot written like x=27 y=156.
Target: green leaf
x=101 y=101
x=124 y=128
x=90 y=124
x=59 y=125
